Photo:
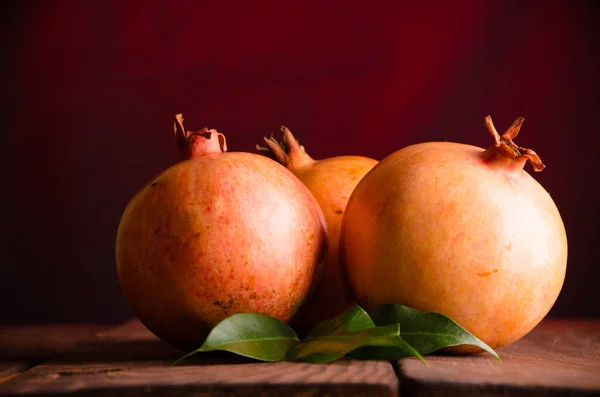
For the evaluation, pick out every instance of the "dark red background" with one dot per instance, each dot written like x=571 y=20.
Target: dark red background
x=89 y=90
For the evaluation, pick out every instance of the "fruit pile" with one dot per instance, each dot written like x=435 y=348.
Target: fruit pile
x=440 y=227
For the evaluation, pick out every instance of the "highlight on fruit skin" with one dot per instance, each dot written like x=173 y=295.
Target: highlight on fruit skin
x=331 y=181
x=459 y=230
x=216 y=234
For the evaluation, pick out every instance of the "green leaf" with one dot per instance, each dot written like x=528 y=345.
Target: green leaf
x=250 y=335
x=388 y=353
x=393 y=352
x=353 y=320
x=425 y=331
x=328 y=348
x=357 y=319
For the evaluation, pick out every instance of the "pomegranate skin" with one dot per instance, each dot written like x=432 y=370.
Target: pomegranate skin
x=215 y=235
x=458 y=230
x=331 y=181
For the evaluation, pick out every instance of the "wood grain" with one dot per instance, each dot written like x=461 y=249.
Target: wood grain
x=24 y=346
x=559 y=357
x=346 y=377
x=128 y=360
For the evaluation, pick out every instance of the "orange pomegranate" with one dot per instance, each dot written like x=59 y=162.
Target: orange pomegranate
x=217 y=234
x=459 y=230
x=331 y=181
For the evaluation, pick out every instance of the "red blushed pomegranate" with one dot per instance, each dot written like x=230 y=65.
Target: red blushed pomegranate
x=217 y=234
x=459 y=230
x=331 y=181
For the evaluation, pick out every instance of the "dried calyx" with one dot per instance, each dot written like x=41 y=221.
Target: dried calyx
x=504 y=145
x=192 y=144
x=289 y=152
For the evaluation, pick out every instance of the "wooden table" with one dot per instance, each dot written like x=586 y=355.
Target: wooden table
x=559 y=357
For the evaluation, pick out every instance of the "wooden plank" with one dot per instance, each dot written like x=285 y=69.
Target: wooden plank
x=11 y=369
x=24 y=346
x=39 y=342
x=348 y=378
x=559 y=357
x=128 y=360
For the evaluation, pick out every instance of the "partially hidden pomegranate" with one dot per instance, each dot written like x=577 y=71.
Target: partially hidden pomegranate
x=217 y=234
x=331 y=181
x=459 y=230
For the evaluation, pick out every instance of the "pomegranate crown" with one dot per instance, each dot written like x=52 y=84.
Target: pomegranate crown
x=505 y=145
x=192 y=144
x=288 y=152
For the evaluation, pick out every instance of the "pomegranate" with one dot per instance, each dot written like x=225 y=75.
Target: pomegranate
x=331 y=181
x=458 y=230
x=217 y=234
